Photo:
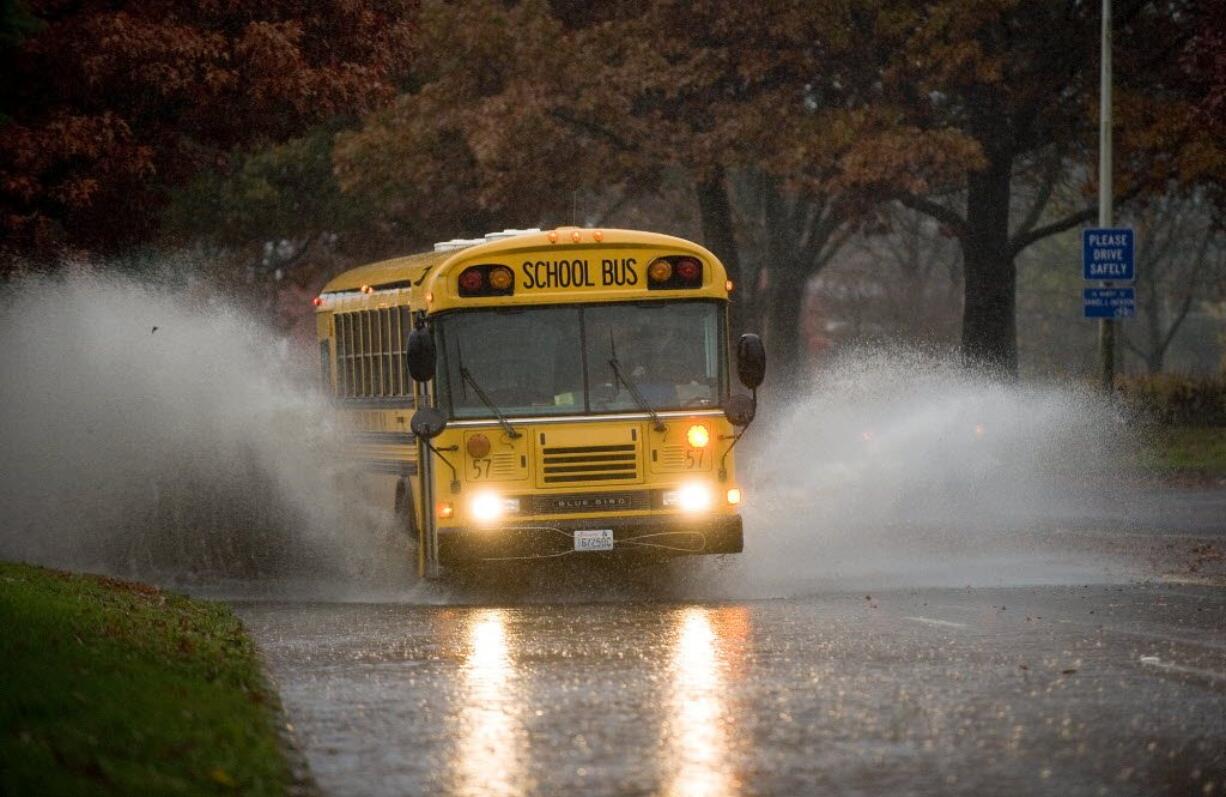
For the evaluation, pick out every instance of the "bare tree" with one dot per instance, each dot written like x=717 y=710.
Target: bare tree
x=899 y=280
x=1181 y=263
x=789 y=234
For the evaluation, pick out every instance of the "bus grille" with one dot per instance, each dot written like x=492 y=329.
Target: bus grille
x=577 y=464
x=574 y=503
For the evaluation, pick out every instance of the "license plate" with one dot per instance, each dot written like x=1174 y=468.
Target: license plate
x=594 y=539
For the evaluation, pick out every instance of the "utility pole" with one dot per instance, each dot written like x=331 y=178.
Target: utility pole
x=1106 y=326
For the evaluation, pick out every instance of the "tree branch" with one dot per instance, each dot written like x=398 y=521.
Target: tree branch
x=834 y=242
x=1155 y=242
x=621 y=202
x=937 y=211
x=300 y=252
x=1132 y=347
x=1051 y=172
x=814 y=211
x=1177 y=323
x=595 y=129
x=1025 y=239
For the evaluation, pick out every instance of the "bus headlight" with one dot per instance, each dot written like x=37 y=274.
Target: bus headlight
x=488 y=506
x=692 y=497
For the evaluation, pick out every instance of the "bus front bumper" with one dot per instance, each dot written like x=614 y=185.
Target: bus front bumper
x=646 y=537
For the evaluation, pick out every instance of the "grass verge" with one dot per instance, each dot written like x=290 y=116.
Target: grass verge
x=1184 y=450
x=110 y=687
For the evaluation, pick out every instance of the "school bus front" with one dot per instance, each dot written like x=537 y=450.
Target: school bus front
x=566 y=487
x=580 y=391
x=570 y=393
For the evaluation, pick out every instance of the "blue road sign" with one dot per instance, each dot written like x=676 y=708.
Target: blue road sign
x=1109 y=302
x=1106 y=254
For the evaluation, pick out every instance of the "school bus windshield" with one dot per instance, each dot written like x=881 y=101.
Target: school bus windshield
x=559 y=360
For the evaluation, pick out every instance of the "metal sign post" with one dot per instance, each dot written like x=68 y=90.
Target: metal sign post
x=1106 y=326
x=1107 y=253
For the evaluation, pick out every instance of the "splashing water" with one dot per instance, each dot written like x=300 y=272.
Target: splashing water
x=201 y=451
x=163 y=434
x=901 y=468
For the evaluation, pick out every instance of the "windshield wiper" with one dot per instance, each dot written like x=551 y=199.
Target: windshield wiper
x=511 y=431
x=634 y=391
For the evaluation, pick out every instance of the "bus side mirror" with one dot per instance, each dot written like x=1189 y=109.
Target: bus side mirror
x=750 y=360
x=428 y=423
x=740 y=409
x=421 y=355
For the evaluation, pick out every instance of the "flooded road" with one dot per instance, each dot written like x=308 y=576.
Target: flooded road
x=950 y=584
x=1111 y=685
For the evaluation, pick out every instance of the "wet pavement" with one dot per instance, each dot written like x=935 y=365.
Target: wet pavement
x=1061 y=689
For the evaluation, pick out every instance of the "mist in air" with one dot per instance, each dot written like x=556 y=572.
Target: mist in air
x=164 y=434
x=901 y=468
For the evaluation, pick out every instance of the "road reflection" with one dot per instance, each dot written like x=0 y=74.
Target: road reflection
x=489 y=752
x=700 y=737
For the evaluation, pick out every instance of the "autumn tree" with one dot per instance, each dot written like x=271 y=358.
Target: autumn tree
x=741 y=97
x=1012 y=81
x=518 y=106
x=1203 y=64
x=473 y=142
x=111 y=104
x=951 y=108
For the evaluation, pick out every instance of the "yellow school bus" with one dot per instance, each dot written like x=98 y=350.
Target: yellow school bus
x=536 y=394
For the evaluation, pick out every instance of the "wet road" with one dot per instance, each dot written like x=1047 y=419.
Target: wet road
x=1111 y=684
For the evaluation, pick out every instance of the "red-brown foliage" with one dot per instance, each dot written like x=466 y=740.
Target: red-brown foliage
x=111 y=103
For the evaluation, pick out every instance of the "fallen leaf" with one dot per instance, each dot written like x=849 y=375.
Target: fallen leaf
x=219 y=775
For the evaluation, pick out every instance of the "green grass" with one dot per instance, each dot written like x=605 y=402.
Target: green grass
x=109 y=687
x=1185 y=449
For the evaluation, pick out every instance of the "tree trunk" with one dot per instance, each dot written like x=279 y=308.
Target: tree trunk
x=1155 y=358
x=989 y=321
x=786 y=289
x=783 y=334
x=719 y=236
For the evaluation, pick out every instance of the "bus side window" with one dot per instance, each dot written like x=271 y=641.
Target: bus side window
x=406 y=325
x=325 y=363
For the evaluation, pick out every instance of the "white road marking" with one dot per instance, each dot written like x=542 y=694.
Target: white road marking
x=958 y=607
x=1193 y=581
x=1170 y=666
x=931 y=621
x=1134 y=632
